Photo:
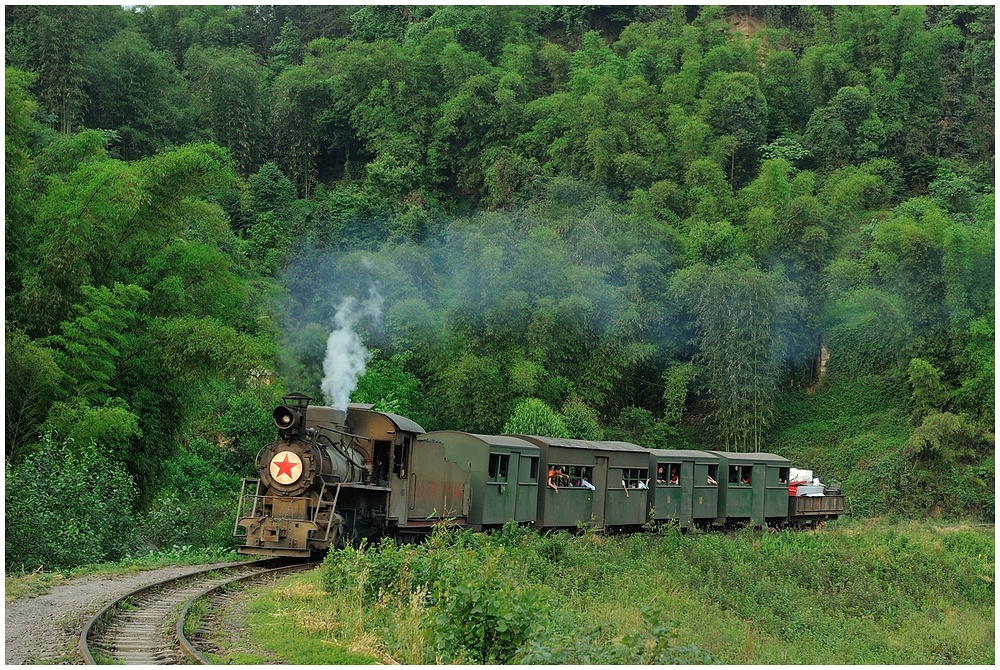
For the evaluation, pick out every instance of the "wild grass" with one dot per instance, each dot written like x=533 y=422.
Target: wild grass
x=848 y=593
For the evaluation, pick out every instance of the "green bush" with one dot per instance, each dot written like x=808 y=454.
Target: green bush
x=479 y=606
x=655 y=643
x=67 y=505
x=195 y=504
x=486 y=614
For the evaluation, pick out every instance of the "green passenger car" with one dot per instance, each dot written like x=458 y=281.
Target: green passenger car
x=600 y=483
x=753 y=488
x=504 y=475
x=684 y=487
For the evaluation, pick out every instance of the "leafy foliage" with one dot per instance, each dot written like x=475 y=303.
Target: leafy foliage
x=63 y=516
x=533 y=417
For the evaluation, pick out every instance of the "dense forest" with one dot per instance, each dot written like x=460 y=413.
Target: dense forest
x=743 y=228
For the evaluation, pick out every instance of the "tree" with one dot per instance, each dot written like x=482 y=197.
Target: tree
x=734 y=105
x=390 y=387
x=32 y=383
x=581 y=421
x=948 y=438
x=57 y=517
x=848 y=129
x=533 y=417
x=827 y=69
x=929 y=393
x=19 y=111
x=474 y=396
x=89 y=347
x=97 y=225
x=379 y=23
x=743 y=319
x=63 y=45
x=227 y=86
x=784 y=88
x=138 y=93
x=299 y=98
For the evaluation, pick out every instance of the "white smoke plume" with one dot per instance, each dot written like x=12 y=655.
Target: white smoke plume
x=346 y=356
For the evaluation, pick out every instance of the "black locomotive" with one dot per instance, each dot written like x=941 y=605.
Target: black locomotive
x=335 y=476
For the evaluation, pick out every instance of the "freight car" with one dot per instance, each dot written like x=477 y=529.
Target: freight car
x=336 y=476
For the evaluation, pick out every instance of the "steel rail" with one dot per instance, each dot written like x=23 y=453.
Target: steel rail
x=188 y=647
x=106 y=613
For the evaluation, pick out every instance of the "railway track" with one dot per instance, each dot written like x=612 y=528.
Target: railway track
x=139 y=628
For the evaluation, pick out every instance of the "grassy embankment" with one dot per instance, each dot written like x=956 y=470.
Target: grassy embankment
x=850 y=593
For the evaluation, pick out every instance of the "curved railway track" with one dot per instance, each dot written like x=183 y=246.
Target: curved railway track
x=137 y=629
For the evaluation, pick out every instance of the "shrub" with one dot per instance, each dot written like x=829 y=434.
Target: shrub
x=653 y=644
x=67 y=505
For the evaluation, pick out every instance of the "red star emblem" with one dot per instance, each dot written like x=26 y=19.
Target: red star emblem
x=285 y=467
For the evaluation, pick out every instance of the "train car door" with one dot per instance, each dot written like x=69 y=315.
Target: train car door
x=600 y=490
x=503 y=469
x=527 y=488
x=759 y=494
x=687 y=493
x=399 y=482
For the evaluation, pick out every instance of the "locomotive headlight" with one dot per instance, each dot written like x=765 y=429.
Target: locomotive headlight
x=284 y=418
x=285 y=467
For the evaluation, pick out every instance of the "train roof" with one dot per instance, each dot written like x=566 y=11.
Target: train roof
x=492 y=440
x=401 y=422
x=505 y=440
x=591 y=445
x=684 y=454
x=751 y=457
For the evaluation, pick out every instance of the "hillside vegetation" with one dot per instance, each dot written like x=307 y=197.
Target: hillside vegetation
x=684 y=227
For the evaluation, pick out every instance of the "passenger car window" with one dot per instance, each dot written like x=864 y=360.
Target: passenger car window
x=499 y=464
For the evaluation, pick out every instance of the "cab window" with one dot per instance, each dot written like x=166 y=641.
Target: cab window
x=401 y=456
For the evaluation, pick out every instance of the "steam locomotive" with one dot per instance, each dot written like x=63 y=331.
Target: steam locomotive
x=335 y=476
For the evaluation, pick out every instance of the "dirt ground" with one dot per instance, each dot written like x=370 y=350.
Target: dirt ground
x=46 y=629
